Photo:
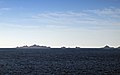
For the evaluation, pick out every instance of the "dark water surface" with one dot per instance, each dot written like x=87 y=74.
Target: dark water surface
x=60 y=62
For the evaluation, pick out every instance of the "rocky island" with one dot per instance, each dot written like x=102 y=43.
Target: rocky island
x=33 y=47
x=108 y=47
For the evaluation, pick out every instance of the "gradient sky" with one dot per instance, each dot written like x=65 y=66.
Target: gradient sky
x=57 y=23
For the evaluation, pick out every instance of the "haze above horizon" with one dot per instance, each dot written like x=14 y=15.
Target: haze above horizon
x=57 y=23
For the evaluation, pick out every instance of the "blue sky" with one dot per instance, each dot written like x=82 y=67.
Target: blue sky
x=56 y=23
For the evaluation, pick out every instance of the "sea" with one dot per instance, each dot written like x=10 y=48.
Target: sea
x=57 y=61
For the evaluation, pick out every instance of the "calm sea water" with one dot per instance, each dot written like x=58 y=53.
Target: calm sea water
x=60 y=62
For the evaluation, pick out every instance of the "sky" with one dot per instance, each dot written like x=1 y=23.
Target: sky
x=57 y=23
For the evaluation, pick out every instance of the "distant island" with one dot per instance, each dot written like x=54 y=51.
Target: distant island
x=119 y=47
x=108 y=47
x=33 y=47
x=45 y=47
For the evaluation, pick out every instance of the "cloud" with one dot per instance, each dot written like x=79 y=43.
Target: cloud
x=59 y=17
x=62 y=14
x=109 y=12
x=62 y=18
x=5 y=9
x=18 y=26
x=99 y=18
x=108 y=18
x=2 y=10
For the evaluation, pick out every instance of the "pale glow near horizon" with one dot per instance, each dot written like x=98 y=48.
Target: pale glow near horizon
x=68 y=38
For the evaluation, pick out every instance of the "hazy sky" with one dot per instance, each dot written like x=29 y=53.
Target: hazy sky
x=56 y=23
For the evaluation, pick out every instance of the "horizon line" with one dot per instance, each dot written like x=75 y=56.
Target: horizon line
x=64 y=46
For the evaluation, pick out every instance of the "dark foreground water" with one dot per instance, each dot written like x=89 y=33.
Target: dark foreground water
x=60 y=62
